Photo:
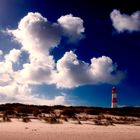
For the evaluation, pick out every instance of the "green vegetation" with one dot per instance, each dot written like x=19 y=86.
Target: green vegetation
x=55 y=114
x=70 y=111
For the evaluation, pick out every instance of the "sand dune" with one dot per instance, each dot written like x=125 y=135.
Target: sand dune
x=39 y=130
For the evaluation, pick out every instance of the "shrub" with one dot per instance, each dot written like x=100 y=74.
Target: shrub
x=51 y=120
x=9 y=112
x=46 y=110
x=6 y=118
x=93 y=111
x=97 y=122
x=70 y=113
x=24 y=110
x=26 y=120
x=65 y=119
x=36 y=113
x=18 y=115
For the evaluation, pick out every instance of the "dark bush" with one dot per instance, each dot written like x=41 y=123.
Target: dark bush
x=36 y=113
x=70 y=113
x=9 y=112
x=6 y=118
x=46 y=111
x=93 y=111
x=51 y=120
x=26 y=119
x=24 y=110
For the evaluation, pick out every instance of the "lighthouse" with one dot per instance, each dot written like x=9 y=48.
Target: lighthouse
x=114 y=97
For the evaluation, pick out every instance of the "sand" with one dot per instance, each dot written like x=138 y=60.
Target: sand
x=39 y=130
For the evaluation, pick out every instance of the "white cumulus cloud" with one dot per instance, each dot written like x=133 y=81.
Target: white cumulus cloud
x=72 y=26
x=37 y=36
x=23 y=94
x=13 y=55
x=123 y=22
x=72 y=72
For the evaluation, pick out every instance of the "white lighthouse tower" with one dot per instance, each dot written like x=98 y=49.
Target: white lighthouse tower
x=114 y=97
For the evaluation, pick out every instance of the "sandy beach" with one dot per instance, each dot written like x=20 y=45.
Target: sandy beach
x=38 y=130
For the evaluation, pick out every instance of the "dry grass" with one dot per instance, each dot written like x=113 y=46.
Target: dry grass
x=78 y=115
x=26 y=119
x=103 y=120
x=5 y=117
x=51 y=120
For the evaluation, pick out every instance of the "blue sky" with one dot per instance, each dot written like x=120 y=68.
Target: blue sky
x=69 y=52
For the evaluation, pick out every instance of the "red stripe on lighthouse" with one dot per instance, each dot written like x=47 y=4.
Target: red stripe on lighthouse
x=114 y=100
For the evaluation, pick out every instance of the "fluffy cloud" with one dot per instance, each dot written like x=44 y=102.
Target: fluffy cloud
x=36 y=34
x=6 y=65
x=72 y=72
x=123 y=22
x=23 y=94
x=13 y=55
x=37 y=37
x=71 y=26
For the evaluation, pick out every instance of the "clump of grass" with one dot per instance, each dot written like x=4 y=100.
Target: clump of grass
x=6 y=119
x=51 y=120
x=101 y=116
x=26 y=119
x=109 y=121
x=18 y=115
x=102 y=120
x=79 y=122
x=83 y=117
x=36 y=113
x=69 y=113
x=64 y=118
x=125 y=120
x=97 y=122
x=40 y=117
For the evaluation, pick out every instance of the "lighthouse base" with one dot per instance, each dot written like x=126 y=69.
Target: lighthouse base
x=114 y=105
